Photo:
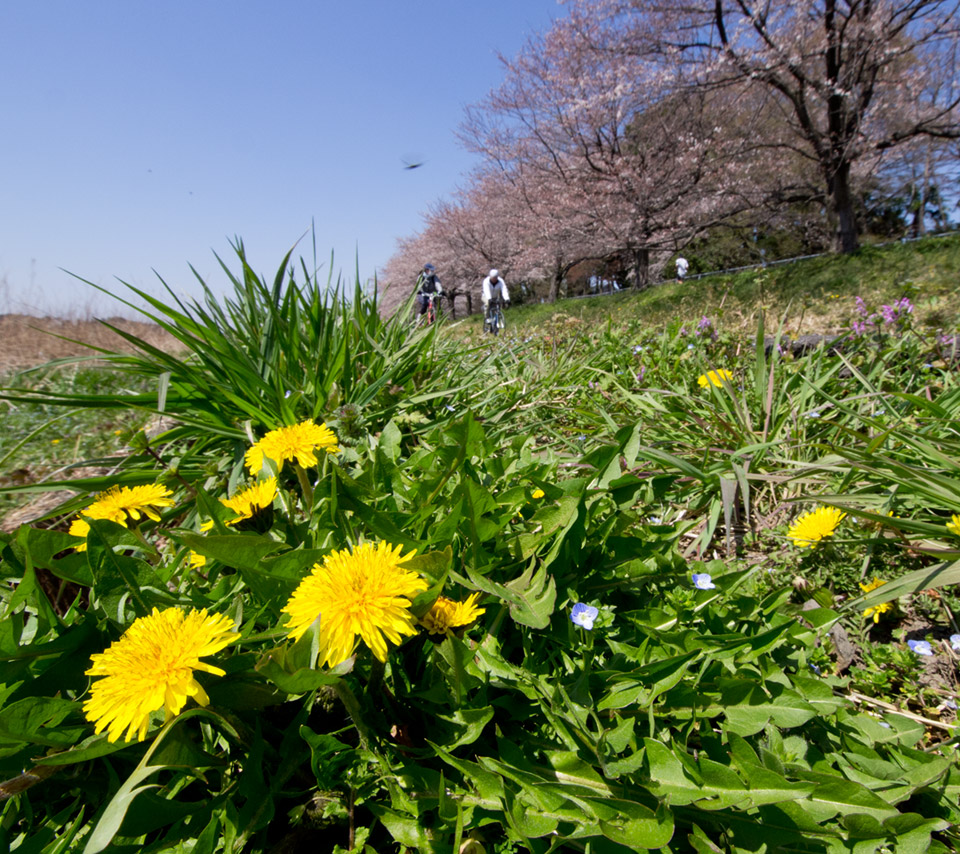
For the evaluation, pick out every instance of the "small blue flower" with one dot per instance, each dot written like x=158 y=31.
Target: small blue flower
x=655 y=520
x=583 y=615
x=814 y=668
x=638 y=349
x=950 y=704
x=920 y=647
x=955 y=642
x=450 y=408
x=287 y=393
x=812 y=414
x=689 y=346
x=703 y=581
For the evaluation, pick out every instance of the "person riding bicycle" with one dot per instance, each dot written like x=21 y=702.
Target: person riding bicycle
x=494 y=288
x=427 y=283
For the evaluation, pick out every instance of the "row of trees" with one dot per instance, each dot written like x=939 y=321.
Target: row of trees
x=634 y=129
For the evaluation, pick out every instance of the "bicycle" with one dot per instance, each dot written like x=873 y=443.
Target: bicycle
x=431 y=312
x=494 y=318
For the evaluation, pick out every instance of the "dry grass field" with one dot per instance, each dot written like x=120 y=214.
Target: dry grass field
x=26 y=341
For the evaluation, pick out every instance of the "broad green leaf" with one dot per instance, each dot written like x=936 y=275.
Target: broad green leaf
x=40 y=720
x=242 y=551
x=531 y=596
x=299 y=681
x=467 y=725
x=637 y=826
x=643 y=685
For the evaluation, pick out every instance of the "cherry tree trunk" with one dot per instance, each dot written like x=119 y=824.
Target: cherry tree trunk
x=845 y=239
x=555 y=283
x=641 y=268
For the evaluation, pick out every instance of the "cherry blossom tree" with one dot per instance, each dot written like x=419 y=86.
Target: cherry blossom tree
x=641 y=164
x=849 y=79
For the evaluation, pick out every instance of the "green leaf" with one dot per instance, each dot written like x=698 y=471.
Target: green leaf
x=241 y=551
x=328 y=757
x=113 y=572
x=531 y=597
x=37 y=720
x=769 y=787
x=529 y=818
x=116 y=810
x=634 y=825
x=572 y=771
x=299 y=681
x=434 y=565
x=488 y=784
x=90 y=748
x=406 y=830
x=643 y=685
x=467 y=725
x=834 y=796
x=748 y=708
x=930 y=578
x=667 y=777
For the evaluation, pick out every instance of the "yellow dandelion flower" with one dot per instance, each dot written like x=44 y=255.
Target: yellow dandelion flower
x=715 y=378
x=247 y=502
x=446 y=614
x=106 y=506
x=119 y=501
x=875 y=611
x=143 y=499
x=298 y=442
x=953 y=526
x=364 y=595
x=79 y=527
x=537 y=493
x=812 y=527
x=197 y=561
x=152 y=667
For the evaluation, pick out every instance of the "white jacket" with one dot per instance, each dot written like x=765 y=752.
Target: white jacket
x=494 y=289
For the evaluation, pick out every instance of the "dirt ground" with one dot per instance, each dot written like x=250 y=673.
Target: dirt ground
x=26 y=341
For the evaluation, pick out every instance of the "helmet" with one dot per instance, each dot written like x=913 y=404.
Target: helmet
x=494 y=274
x=429 y=268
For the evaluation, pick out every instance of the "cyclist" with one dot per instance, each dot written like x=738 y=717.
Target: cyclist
x=494 y=288
x=427 y=283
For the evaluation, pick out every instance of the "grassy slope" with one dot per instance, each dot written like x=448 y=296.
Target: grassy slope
x=816 y=295
x=928 y=271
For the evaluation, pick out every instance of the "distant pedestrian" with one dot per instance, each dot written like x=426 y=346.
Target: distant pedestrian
x=682 y=266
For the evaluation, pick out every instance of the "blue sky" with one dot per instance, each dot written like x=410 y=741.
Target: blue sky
x=145 y=136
